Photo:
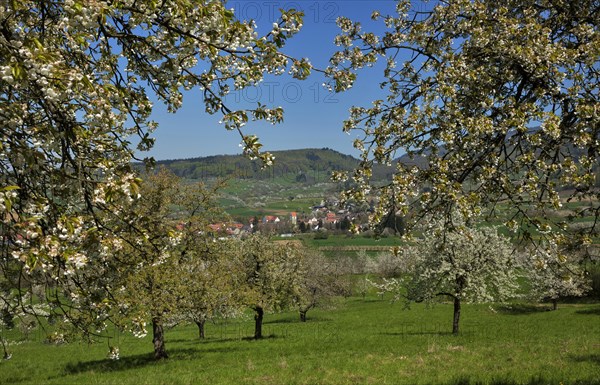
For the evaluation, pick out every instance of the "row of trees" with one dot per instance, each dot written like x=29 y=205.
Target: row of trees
x=171 y=269
x=164 y=266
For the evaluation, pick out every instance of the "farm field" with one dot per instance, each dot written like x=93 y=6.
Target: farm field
x=361 y=341
x=341 y=242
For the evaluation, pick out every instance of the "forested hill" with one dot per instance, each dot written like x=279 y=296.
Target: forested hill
x=304 y=165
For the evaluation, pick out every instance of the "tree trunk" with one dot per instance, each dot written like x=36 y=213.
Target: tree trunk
x=258 y=320
x=200 y=325
x=554 y=303
x=302 y=315
x=7 y=355
x=158 y=339
x=456 y=315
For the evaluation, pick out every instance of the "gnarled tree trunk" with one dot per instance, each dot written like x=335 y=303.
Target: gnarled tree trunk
x=158 y=339
x=7 y=355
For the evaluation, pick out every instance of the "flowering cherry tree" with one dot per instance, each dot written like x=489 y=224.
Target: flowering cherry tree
x=555 y=273
x=164 y=258
x=464 y=263
x=76 y=82
x=273 y=275
x=498 y=99
x=213 y=282
x=210 y=270
x=321 y=279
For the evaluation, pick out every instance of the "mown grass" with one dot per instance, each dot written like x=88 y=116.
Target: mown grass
x=363 y=341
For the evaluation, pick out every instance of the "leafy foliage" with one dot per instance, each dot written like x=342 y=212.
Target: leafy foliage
x=467 y=82
x=76 y=83
x=75 y=78
x=273 y=274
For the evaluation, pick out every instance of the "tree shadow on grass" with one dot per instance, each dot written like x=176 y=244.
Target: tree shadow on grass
x=140 y=360
x=592 y=311
x=287 y=320
x=296 y=320
x=125 y=363
x=182 y=340
x=594 y=358
x=522 y=308
x=264 y=337
x=537 y=380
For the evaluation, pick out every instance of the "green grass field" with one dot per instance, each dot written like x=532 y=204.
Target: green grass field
x=343 y=241
x=362 y=341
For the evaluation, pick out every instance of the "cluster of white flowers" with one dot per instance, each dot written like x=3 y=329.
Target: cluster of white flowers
x=6 y=199
x=554 y=273
x=113 y=353
x=474 y=265
x=139 y=328
x=388 y=285
x=75 y=262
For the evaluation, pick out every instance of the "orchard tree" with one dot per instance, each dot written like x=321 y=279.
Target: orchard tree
x=555 y=273
x=214 y=286
x=464 y=263
x=76 y=80
x=500 y=100
x=142 y=269
x=175 y=266
x=210 y=270
x=149 y=283
x=273 y=272
x=321 y=280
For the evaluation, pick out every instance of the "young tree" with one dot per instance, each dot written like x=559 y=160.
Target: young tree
x=465 y=263
x=213 y=281
x=499 y=100
x=273 y=276
x=388 y=264
x=321 y=280
x=202 y=260
x=554 y=273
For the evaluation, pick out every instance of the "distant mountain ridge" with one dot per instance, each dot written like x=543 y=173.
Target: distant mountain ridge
x=303 y=165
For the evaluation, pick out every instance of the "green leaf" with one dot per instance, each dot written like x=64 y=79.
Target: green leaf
x=17 y=72
x=37 y=43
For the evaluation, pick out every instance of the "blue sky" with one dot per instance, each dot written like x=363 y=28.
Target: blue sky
x=313 y=117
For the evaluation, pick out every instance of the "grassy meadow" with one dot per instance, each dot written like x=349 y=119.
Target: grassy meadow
x=361 y=341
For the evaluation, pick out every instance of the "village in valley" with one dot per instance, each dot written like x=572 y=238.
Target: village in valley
x=319 y=218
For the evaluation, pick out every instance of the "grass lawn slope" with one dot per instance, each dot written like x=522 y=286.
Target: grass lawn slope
x=363 y=341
